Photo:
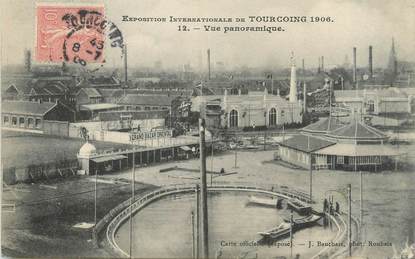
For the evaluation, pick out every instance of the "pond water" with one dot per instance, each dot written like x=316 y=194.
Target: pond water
x=164 y=229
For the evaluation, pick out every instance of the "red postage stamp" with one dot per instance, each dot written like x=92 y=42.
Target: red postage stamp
x=70 y=33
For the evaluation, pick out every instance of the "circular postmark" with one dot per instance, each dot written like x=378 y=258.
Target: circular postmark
x=89 y=35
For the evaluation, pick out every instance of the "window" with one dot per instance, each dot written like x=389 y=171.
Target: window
x=155 y=108
x=370 y=106
x=272 y=117
x=233 y=118
x=282 y=113
x=21 y=122
x=6 y=120
x=340 y=160
x=38 y=123
x=147 y=108
x=30 y=122
x=14 y=121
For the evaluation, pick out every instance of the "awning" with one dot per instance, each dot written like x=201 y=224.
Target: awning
x=186 y=148
x=108 y=158
x=360 y=150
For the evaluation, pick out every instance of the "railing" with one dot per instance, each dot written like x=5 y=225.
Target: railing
x=140 y=202
x=328 y=250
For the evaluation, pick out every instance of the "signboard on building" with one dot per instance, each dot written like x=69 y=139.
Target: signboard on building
x=143 y=135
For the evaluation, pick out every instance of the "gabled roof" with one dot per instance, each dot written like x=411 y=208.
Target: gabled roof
x=324 y=125
x=91 y=92
x=20 y=84
x=306 y=143
x=357 y=130
x=156 y=100
x=25 y=107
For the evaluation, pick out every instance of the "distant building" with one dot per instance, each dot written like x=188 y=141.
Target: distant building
x=132 y=102
x=126 y=120
x=92 y=111
x=251 y=110
x=100 y=82
x=378 y=101
x=332 y=144
x=46 y=89
x=24 y=115
x=87 y=96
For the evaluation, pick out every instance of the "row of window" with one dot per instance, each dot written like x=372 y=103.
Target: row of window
x=22 y=122
x=233 y=117
x=146 y=108
x=365 y=160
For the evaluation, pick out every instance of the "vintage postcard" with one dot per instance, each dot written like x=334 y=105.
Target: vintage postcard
x=208 y=129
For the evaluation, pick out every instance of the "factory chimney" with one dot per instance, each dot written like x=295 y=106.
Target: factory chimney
x=304 y=97
x=303 y=72
x=354 y=66
x=318 y=70
x=322 y=63
x=370 y=62
x=293 y=81
x=208 y=61
x=28 y=60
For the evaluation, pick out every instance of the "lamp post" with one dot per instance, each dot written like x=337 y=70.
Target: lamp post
x=203 y=191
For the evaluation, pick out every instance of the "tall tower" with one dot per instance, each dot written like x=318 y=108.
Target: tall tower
x=293 y=81
x=354 y=66
x=208 y=63
x=393 y=63
x=28 y=60
x=370 y=62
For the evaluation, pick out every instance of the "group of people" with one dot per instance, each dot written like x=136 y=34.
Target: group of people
x=330 y=207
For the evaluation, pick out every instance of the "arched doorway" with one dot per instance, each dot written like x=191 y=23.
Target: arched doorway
x=233 y=119
x=272 y=117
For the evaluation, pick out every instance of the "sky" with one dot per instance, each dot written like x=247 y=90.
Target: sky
x=357 y=23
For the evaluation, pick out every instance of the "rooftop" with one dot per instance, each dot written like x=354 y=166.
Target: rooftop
x=156 y=100
x=100 y=106
x=390 y=92
x=357 y=130
x=324 y=125
x=135 y=115
x=91 y=92
x=306 y=143
x=26 y=107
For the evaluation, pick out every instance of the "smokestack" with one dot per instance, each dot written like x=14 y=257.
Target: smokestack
x=125 y=65
x=208 y=61
x=303 y=68
x=322 y=63
x=305 y=97
x=28 y=60
x=354 y=66
x=293 y=81
x=370 y=62
x=319 y=66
